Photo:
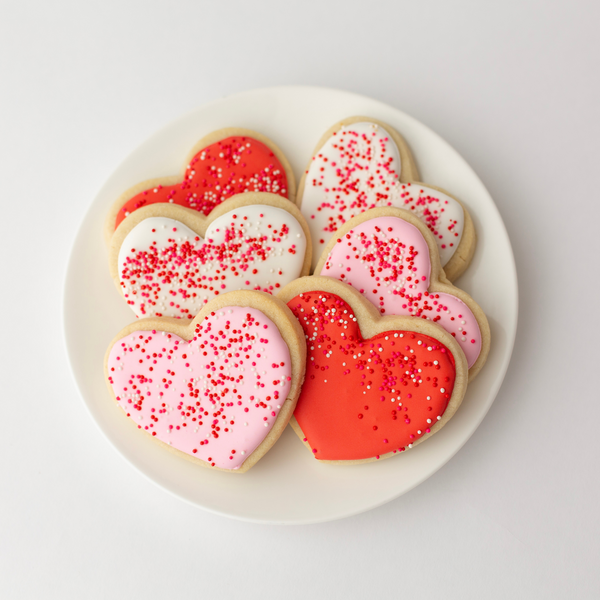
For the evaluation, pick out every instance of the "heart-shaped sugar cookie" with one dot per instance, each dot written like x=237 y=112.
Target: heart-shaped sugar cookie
x=374 y=386
x=362 y=163
x=220 y=389
x=170 y=261
x=224 y=163
x=390 y=257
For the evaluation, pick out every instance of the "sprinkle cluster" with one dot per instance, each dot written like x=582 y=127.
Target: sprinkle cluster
x=364 y=173
x=363 y=398
x=431 y=207
x=230 y=166
x=215 y=397
x=165 y=269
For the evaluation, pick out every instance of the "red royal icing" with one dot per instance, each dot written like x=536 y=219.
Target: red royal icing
x=364 y=398
x=230 y=166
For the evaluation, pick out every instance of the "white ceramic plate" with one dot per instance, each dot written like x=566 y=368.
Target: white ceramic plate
x=287 y=485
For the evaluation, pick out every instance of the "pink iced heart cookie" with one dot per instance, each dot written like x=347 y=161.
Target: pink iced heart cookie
x=219 y=389
x=390 y=257
x=222 y=164
x=169 y=261
x=361 y=163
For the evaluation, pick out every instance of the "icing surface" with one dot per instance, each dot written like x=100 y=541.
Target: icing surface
x=359 y=168
x=216 y=397
x=165 y=269
x=387 y=260
x=228 y=167
x=363 y=398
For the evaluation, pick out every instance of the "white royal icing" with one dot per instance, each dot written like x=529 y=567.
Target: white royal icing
x=163 y=272
x=359 y=168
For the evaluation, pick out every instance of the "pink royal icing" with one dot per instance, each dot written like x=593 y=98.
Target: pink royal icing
x=216 y=397
x=387 y=260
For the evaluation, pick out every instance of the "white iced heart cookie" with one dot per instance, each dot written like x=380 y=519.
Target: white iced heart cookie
x=169 y=261
x=361 y=163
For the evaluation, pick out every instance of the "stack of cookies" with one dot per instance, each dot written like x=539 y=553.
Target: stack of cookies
x=331 y=309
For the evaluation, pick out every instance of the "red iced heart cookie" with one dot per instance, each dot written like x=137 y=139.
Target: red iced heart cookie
x=220 y=389
x=374 y=385
x=169 y=261
x=224 y=163
x=391 y=257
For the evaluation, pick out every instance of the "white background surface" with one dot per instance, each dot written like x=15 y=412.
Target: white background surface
x=514 y=87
